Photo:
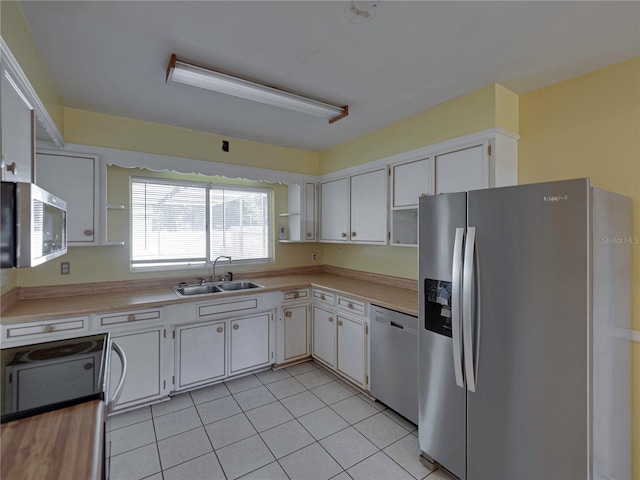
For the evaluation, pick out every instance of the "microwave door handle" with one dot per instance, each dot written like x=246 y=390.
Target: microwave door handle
x=456 y=284
x=123 y=359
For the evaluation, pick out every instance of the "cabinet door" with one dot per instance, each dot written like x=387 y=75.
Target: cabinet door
x=410 y=181
x=143 y=381
x=334 y=211
x=296 y=332
x=462 y=170
x=369 y=207
x=324 y=336
x=17 y=133
x=74 y=179
x=351 y=348
x=250 y=346
x=310 y=215
x=200 y=354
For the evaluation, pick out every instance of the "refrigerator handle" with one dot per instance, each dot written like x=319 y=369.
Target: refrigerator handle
x=467 y=308
x=456 y=286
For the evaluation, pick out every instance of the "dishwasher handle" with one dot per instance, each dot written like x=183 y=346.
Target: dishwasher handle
x=397 y=325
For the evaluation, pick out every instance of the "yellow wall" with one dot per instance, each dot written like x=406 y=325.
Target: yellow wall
x=589 y=126
x=111 y=263
x=16 y=34
x=90 y=128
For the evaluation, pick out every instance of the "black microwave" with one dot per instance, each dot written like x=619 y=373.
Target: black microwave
x=33 y=227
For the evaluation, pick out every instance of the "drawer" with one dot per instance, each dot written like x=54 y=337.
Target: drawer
x=352 y=305
x=129 y=317
x=227 y=307
x=295 y=295
x=44 y=329
x=324 y=297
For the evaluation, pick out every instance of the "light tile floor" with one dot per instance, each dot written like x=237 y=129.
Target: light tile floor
x=300 y=423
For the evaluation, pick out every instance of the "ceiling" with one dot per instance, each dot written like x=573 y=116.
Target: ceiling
x=111 y=57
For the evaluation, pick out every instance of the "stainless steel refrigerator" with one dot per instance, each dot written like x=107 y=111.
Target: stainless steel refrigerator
x=524 y=340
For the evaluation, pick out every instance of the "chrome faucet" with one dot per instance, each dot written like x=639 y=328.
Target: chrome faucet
x=213 y=270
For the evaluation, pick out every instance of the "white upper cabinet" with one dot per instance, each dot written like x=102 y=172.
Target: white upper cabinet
x=410 y=180
x=462 y=170
x=75 y=179
x=18 y=132
x=334 y=210
x=369 y=207
x=302 y=213
x=354 y=209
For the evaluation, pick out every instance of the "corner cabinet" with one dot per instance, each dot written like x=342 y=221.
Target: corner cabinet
x=302 y=213
x=365 y=219
x=18 y=131
x=76 y=179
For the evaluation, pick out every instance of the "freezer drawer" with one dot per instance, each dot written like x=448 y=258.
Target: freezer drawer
x=394 y=361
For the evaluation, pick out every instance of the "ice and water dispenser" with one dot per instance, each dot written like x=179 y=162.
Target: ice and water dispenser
x=437 y=303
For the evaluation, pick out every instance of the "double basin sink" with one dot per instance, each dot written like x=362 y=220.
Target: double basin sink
x=183 y=290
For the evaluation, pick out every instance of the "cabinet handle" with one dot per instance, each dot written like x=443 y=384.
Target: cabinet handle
x=288 y=313
x=322 y=296
x=88 y=366
x=339 y=323
x=353 y=234
x=309 y=234
x=219 y=329
x=47 y=328
x=344 y=235
x=236 y=326
x=88 y=233
x=330 y=319
x=350 y=305
x=131 y=318
x=13 y=168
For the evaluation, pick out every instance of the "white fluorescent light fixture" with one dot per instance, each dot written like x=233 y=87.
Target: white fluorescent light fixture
x=189 y=74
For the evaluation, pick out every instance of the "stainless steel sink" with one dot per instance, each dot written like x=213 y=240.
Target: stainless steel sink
x=240 y=285
x=212 y=288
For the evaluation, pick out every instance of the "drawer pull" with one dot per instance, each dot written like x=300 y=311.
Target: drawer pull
x=330 y=319
x=236 y=326
x=339 y=323
x=288 y=314
x=131 y=317
x=88 y=233
x=219 y=329
x=47 y=328
x=322 y=296
x=296 y=295
x=350 y=305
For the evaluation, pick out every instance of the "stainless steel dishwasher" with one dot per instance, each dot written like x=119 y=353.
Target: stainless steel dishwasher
x=394 y=361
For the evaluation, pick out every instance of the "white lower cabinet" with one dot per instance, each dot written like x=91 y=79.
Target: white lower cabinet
x=296 y=332
x=143 y=382
x=200 y=354
x=249 y=343
x=340 y=335
x=351 y=348
x=324 y=336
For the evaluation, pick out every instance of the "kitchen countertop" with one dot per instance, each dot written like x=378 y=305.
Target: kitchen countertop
x=401 y=299
x=61 y=444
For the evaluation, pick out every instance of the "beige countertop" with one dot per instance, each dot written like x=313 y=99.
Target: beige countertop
x=401 y=299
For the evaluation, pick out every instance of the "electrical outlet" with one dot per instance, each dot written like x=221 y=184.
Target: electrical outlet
x=65 y=268
x=314 y=256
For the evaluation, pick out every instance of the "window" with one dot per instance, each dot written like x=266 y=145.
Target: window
x=180 y=224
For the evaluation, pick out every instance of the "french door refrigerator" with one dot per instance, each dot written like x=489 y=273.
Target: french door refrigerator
x=524 y=343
